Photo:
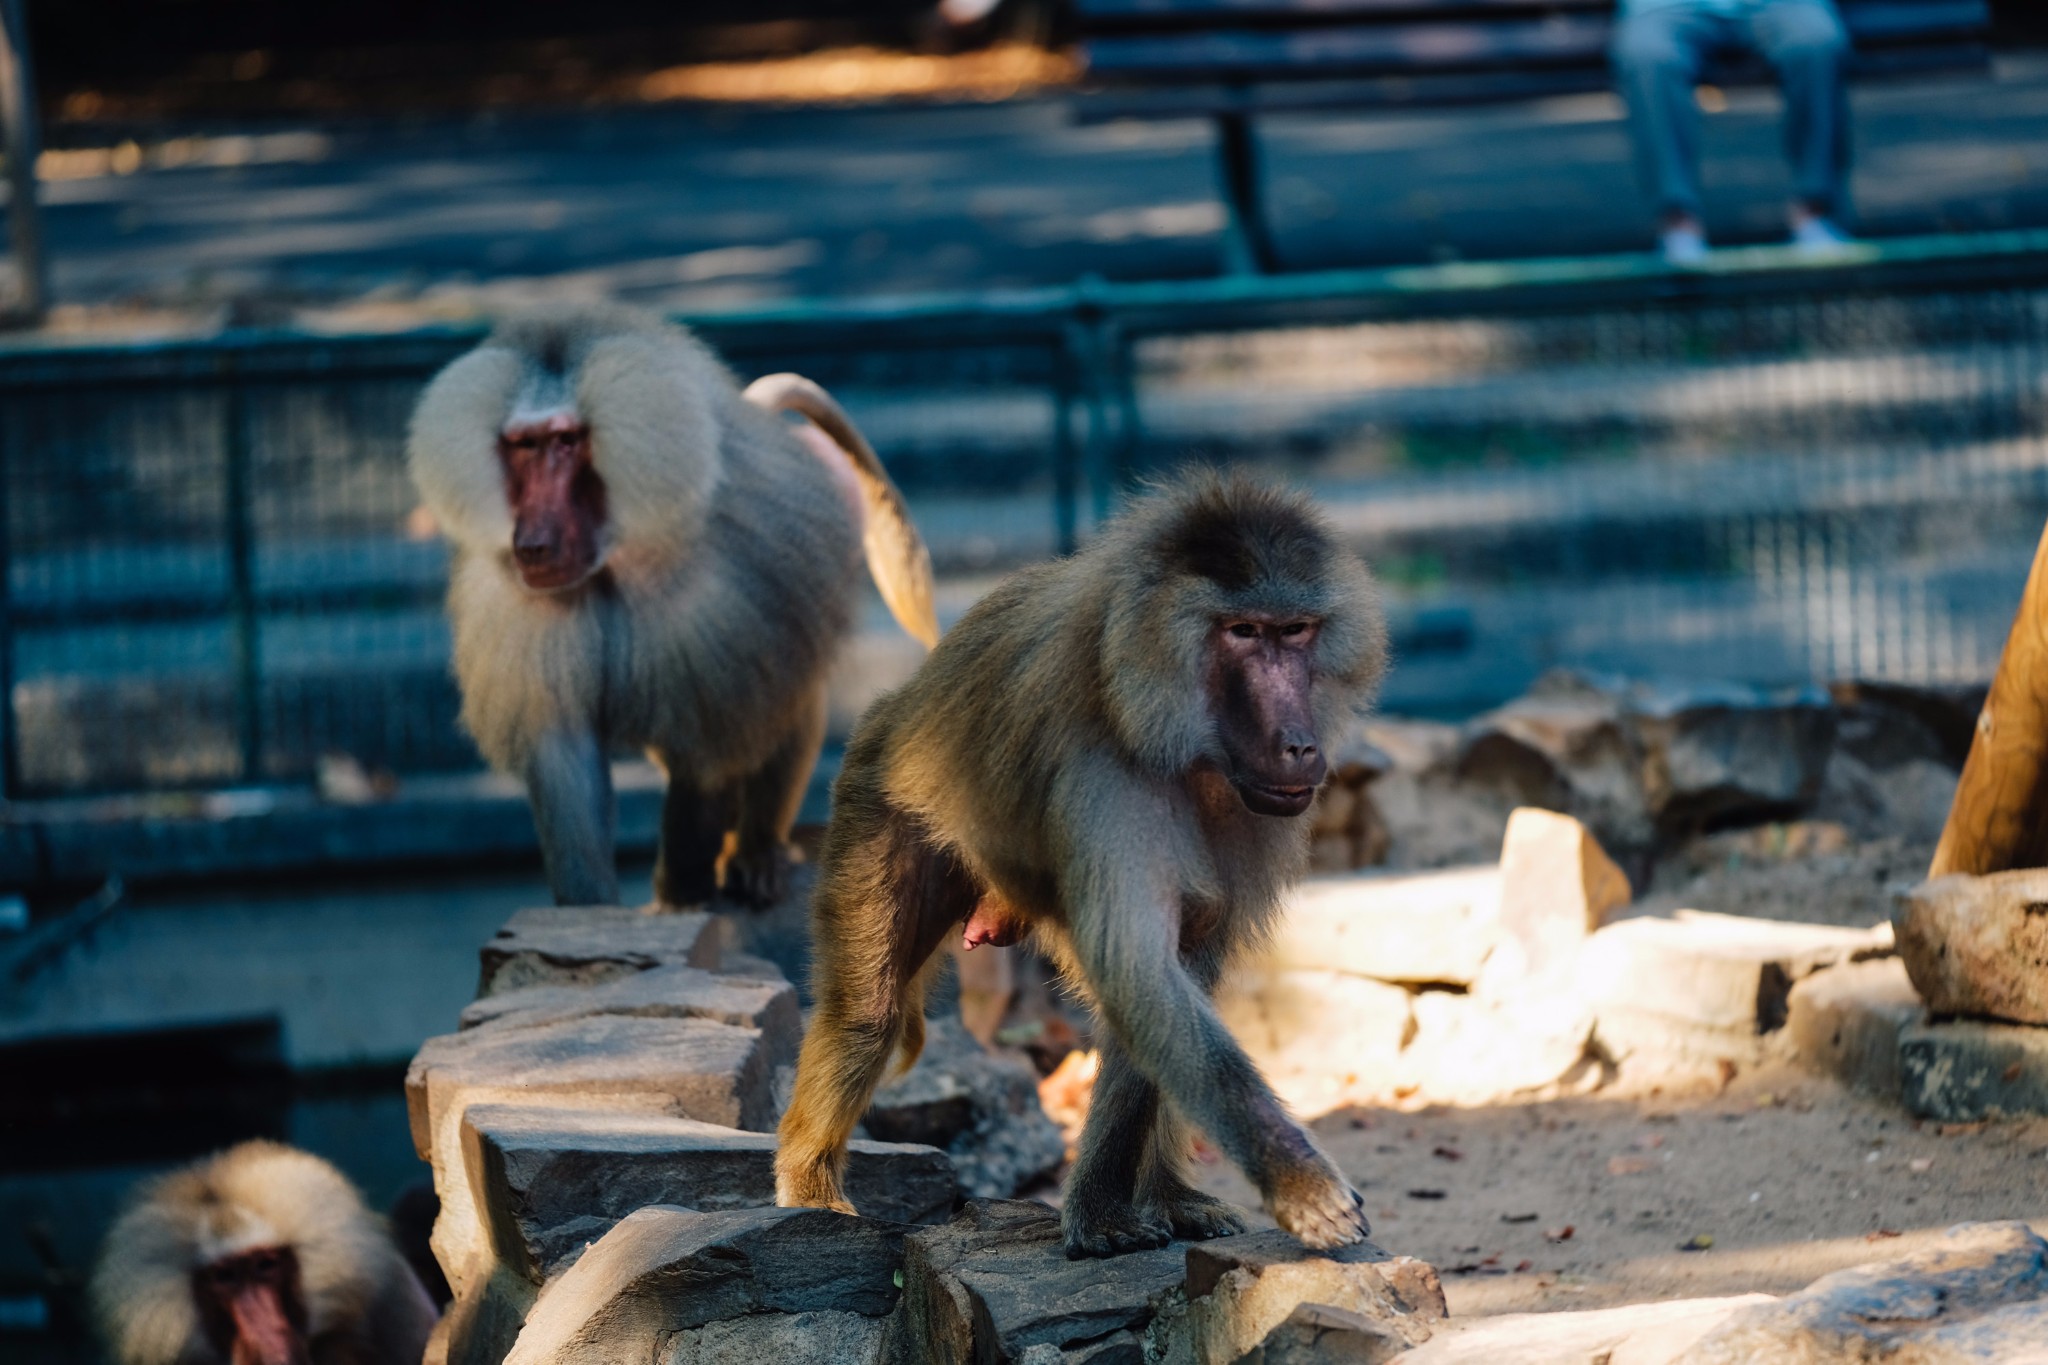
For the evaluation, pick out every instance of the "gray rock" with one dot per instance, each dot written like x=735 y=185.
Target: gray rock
x=691 y=1068
x=770 y=1338
x=995 y=1284
x=582 y=945
x=1242 y=1292
x=1977 y=1296
x=1886 y=724
x=1318 y=1334
x=980 y=1107
x=1565 y=746
x=663 y=1271
x=1979 y=945
x=1963 y=1070
x=1729 y=753
x=766 y=1004
x=1639 y=1334
x=553 y=1180
x=1847 y=1022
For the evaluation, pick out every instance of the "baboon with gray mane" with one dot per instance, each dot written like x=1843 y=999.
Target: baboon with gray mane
x=1110 y=753
x=647 y=556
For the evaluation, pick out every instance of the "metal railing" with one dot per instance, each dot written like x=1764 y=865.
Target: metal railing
x=214 y=574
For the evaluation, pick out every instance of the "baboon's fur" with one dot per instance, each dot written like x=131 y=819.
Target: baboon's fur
x=1059 y=750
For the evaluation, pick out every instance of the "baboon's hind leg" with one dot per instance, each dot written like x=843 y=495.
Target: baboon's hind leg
x=757 y=874
x=881 y=912
x=694 y=822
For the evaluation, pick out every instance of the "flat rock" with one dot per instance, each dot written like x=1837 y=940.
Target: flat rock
x=766 y=1004
x=1707 y=984
x=1322 y=1038
x=1979 y=945
x=1434 y=927
x=1847 y=1022
x=1557 y=886
x=770 y=1338
x=980 y=1107
x=1963 y=1070
x=1509 y=1045
x=553 y=1180
x=1244 y=1290
x=1886 y=724
x=1565 y=746
x=663 y=1271
x=582 y=945
x=1319 y=1334
x=995 y=1285
x=1639 y=1334
x=1975 y=1297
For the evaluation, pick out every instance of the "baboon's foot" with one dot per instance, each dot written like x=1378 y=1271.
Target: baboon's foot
x=758 y=877
x=684 y=888
x=1109 y=1228
x=1194 y=1216
x=809 y=1185
x=1317 y=1204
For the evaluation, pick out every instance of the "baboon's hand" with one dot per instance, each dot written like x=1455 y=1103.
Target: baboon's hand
x=1318 y=1205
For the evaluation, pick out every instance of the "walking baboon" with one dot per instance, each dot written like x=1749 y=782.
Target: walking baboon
x=645 y=556
x=1107 y=749
x=263 y=1255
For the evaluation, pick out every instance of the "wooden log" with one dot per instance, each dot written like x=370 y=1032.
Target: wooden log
x=1999 y=819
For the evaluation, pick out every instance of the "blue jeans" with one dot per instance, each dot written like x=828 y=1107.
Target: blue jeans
x=1658 y=57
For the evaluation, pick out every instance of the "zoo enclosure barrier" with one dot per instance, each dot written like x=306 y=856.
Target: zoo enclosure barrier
x=216 y=574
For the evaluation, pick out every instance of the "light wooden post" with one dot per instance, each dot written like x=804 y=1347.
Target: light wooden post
x=23 y=144
x=2000 y=817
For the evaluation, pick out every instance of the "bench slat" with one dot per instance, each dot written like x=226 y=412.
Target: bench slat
x=1103 y=16
x=1390 y=49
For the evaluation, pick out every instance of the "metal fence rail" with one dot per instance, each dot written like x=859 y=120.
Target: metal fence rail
x=215 y=573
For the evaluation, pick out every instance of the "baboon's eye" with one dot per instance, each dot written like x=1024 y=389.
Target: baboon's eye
x=1243 y=630
x=1294 y=630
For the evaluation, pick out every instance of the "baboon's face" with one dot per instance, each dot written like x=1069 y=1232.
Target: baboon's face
x=557 y=498
x=1261 y=674
x=250 y=1306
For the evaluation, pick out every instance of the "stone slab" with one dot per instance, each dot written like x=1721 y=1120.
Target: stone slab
x=1639 y=1334
x=765 y=1004
x=663 y=1271
x=771 y=1338
x=995 y=1284
x=1963 y=1070
x=981 y=1107
x=1975 y=1296
x=1320 y=1334
x=554 y=1180
x=1979 y=945
x=1846 y=1022
x=1557 y=886
x=582 y=945
x=1243 y=1290
x=1419 y=927
x=1728 y=974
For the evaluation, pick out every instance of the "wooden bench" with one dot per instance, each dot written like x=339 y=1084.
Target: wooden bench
x=1232 y=59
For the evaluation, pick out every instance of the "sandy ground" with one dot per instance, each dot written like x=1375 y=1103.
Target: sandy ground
x=1587 y=1203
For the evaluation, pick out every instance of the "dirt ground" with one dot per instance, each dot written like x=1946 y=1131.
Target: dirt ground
x=1590 y=1203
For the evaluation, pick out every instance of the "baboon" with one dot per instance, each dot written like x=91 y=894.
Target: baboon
x=262 y=1255
x=1109 y=751
x=646 y=556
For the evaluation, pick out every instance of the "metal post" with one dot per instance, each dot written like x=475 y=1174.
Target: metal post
x=1247 y=249
x=239 y=521
x=23 y=145
x=10 y=729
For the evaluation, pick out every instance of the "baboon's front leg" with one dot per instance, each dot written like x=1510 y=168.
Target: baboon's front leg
x=693 y=827
x=569 y=784
x=757 y=874
x=1100 y=1215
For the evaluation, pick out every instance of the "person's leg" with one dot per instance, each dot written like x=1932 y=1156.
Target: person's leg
x=1657 y=59
x=1805 y=43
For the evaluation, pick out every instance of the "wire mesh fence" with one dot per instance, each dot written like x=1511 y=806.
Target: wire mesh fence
x=217 y=572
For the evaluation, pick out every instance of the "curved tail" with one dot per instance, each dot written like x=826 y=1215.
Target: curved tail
x=897 y=558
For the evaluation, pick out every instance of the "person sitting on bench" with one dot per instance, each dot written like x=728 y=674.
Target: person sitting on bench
x=1660 y=47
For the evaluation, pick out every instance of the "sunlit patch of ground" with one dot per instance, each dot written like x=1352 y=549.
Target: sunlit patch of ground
x=861 y=74
x=1587 y=1203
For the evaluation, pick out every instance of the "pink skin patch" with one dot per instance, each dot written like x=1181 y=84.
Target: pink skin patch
x=992 y=923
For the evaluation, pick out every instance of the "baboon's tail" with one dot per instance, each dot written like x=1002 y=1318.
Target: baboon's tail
x=896 y=554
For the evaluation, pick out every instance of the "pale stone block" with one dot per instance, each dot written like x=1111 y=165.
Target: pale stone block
x=1979 y=945
x=1847 y=1020
x=1557 y=886
x=1639 y=1334
x=1421 y=927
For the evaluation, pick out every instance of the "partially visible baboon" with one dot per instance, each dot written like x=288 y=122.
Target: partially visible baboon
x=1111 y=750
x=263 y=1255
x=648 y=557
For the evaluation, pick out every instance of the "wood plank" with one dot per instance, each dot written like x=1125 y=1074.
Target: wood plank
x=1917 y=20
x=1107 y=15
x=1999 y=819
x=1573 y=40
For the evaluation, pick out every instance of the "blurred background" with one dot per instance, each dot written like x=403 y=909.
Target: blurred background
x=1392 y=250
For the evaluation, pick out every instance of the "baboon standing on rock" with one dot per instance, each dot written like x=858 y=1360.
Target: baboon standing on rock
x=646 y=556
x=1109 y=752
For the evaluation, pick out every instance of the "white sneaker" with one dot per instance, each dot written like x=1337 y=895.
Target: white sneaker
x=1683 y=246
x=1819 y=236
